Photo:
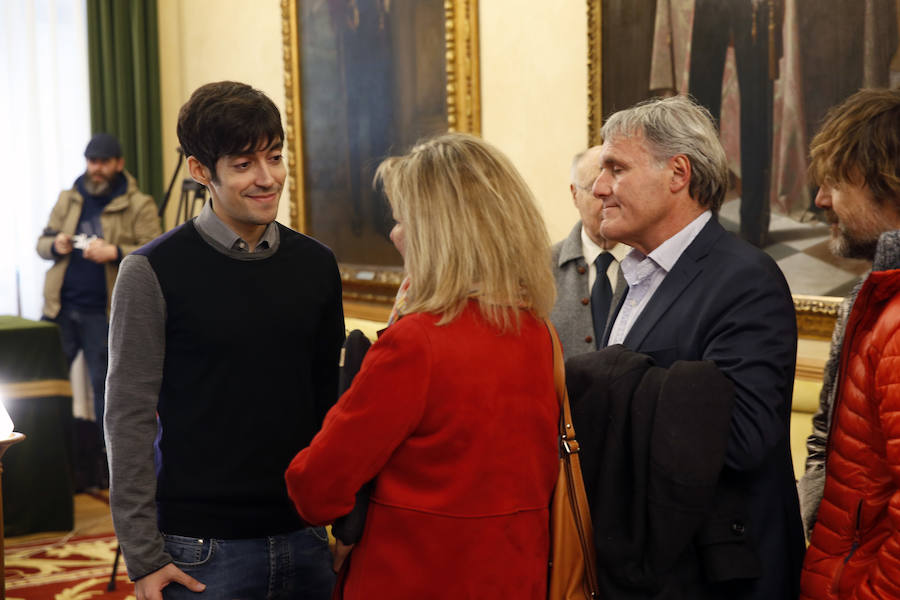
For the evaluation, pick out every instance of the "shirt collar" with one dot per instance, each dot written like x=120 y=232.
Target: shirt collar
x=668 y=253
x=591 y=250
x=635 y=265
x=211 y=225
x=620 y=251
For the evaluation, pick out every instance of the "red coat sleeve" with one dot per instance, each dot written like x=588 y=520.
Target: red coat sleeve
x=380 y=410
x=883 y=577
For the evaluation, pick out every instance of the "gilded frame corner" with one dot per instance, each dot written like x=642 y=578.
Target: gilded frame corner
x=816 y=315
x=374 y=287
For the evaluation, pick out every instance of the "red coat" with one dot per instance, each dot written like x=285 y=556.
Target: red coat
x=459 y=424
x=854 y=551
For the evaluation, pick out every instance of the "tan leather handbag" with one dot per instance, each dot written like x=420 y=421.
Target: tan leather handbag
x=573 y=572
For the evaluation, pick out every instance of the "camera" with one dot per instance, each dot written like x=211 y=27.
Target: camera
x=82 y=240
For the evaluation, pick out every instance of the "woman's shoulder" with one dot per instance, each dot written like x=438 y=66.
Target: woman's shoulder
x=470 y=319
x=413 y=326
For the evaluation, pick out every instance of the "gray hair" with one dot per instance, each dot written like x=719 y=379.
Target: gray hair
x=574 y=171
x=576 y=162
x=673 y=126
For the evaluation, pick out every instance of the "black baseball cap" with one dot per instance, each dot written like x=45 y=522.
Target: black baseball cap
x=102 y=146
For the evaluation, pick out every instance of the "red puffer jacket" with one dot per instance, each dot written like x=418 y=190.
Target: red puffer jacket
x=855 y=547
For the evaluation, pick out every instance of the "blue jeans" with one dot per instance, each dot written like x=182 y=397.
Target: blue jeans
x=294 y=565
x=87 y=331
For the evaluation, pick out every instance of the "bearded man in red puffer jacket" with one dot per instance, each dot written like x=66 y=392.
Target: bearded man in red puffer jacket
x=854 y=549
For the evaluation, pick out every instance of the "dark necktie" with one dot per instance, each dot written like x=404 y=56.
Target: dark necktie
x=601 y=296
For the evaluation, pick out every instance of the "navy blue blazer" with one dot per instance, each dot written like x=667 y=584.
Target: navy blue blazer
x=728 y=302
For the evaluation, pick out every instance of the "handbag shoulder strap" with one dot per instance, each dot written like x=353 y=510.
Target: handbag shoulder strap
x=575 y=497
x=566 y=428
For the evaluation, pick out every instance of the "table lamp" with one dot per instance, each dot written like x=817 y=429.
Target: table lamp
x=8 y=437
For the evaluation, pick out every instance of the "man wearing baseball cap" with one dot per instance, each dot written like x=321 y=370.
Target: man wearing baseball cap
x=93 y=225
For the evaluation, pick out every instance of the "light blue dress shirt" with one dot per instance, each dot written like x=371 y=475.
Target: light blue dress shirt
x=645 y=273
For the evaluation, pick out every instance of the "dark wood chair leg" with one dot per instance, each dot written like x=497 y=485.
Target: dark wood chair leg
x=112 y=578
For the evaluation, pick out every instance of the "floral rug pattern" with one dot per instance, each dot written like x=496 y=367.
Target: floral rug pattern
x=65 y=569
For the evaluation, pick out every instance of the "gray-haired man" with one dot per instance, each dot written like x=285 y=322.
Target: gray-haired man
x=585 y=294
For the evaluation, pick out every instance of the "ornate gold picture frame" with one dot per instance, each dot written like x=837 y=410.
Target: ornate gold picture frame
x=816 y=315
x=413 y=64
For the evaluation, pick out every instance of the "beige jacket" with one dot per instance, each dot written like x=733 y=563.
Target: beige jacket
x=129 y=221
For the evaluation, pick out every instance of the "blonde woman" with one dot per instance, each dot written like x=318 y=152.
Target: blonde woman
x=453 y=411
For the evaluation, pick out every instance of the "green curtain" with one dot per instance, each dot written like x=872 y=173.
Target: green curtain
x=123 y=61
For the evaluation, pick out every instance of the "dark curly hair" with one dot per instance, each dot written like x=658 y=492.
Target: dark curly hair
x=227 y=118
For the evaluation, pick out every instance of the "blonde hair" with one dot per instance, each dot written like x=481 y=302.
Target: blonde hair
x=472 y=229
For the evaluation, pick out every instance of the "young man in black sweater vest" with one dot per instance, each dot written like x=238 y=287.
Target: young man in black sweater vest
x=224 y=342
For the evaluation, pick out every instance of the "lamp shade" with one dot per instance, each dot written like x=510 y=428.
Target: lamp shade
x=6 y=424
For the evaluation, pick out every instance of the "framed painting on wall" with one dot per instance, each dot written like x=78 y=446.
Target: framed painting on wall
x=768 y=71
x=364 y=80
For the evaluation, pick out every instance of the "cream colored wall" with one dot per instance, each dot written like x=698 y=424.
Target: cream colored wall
x=534 y=94
x=533 y=80
x=213 y=40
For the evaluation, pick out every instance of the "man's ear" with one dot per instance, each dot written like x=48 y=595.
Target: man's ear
x=572 y=189
x=120 y=164
x=198 y=171
x=681 y=173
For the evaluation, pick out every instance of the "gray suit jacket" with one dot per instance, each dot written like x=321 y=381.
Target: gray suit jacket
x=571 y=315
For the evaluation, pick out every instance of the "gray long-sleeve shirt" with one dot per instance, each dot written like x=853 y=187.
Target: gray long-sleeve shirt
x=136 y=360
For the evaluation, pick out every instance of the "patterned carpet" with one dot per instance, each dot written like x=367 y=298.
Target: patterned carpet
x=75 y=568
